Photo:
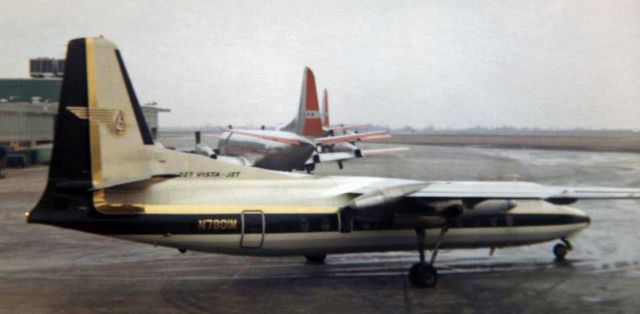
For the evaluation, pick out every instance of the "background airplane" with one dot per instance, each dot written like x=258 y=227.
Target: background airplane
x=108 y=177
x=299 y=145
x=335 y=148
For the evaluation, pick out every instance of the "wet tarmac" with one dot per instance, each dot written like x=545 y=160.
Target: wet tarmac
x=45 y=269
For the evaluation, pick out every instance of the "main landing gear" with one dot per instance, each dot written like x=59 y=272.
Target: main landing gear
x=560 y=250
x=423 y=274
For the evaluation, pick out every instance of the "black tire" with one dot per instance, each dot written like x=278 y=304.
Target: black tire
x=423 y=275
x=560 y=251
x=316 y=259
x=413 y=273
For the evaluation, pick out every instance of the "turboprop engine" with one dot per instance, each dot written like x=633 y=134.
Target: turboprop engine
x=203 y=149
x=382 y=205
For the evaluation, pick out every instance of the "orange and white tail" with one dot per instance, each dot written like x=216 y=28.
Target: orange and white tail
x=325 y=109
x=308 y=122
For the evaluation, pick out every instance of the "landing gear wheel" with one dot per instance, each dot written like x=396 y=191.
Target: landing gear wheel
x=423 y=275
x=560 y=251
x=316 y=259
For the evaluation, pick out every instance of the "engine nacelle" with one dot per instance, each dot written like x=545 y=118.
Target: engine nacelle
x=376 y=206
x=490 y=207
x=205 y=150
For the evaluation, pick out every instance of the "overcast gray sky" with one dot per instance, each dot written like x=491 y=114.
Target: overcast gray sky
x=456 y=64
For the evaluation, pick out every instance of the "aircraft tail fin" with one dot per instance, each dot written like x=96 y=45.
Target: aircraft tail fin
x=98 y=99
x=325 y=109
x=101 y=138
x=308 y=122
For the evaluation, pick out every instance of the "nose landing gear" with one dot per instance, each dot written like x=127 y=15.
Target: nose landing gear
x=560 y=250
x=423 y=274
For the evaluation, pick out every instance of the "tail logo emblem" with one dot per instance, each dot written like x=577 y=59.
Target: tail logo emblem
x=115 y=120
x=312 y=114
x=119 y=125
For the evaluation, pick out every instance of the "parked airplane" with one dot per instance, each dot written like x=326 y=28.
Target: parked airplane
x=337 y=150
x=298 y=146
x=108 y=177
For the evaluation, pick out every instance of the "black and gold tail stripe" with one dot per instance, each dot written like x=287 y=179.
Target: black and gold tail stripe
x=147 y=139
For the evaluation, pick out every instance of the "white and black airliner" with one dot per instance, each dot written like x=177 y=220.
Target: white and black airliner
x=108 y=177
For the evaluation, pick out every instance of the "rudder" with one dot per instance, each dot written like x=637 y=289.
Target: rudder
x=308 y=122
x=325 y=109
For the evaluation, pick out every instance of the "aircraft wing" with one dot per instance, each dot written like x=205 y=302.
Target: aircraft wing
x=377 y=137
x=518 y=190
x=235 y=160
x=269 y=137
x=211 y=135
x=443 y=199
x=342 y=156
x=207 y=151
x=383 y=151
x=329 y=140
x=345 y=127
x=333 y=157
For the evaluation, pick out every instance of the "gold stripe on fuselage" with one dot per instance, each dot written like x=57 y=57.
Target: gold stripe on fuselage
x=111 y=208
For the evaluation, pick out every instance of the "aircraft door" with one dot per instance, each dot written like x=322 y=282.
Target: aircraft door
x=253 y=226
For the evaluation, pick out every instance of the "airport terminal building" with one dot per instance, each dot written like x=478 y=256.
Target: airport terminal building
x=28 y=105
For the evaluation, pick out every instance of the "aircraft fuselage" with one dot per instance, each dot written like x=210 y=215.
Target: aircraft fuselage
x=288 y=225
x=268 y=154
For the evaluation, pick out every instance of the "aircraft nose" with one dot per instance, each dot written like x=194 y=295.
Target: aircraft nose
x=578 y=216
x=575 y=217
x=583 y=219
